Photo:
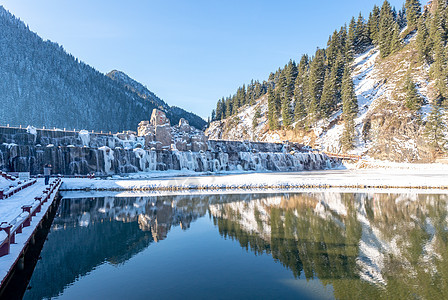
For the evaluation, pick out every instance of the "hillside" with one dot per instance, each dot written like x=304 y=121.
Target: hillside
x=42 y=85
x=399 y=112
x=174 y=113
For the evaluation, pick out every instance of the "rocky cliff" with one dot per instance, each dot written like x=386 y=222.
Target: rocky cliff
x=157 y=146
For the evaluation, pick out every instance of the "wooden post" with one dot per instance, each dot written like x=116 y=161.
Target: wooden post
x=4 y=248
x=27 y=208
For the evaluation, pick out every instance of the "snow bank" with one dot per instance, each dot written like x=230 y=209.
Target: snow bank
x=353 y=179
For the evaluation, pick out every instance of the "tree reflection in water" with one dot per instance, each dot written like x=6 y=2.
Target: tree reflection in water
x=363 y=245
x=375 y=245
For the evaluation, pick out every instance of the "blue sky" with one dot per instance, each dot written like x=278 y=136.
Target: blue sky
x=189 y=53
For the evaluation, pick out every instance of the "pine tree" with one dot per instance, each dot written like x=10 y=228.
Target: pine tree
x=301 y=90
x=386 y=29
x=348 y=135
x=434 y=130
x=401 y=18
x=299 y=110
x=413 y=12
x=286 y=113
x=351 y=40
x=349 y=99
x=373 y=24
x=291 y=75
x=349 y=111
x=422 y=41
x=257 y=115
x=395 y=42
x=272 y=112
x=362 y=35
x=229 y=108
x=315 y=85
x=329 y=92
x=413 y=101
x=333 y=48
x=437 y=35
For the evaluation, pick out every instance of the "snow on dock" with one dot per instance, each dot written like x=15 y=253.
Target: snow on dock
x=20 y=216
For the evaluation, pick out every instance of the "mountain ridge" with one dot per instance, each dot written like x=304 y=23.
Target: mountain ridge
x=43 y=85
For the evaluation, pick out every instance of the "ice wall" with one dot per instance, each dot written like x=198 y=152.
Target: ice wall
x=21 y=151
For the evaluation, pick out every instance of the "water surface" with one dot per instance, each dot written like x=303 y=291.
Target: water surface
x=293 y=245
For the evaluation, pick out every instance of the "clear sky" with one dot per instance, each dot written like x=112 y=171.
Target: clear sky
x=189 y=53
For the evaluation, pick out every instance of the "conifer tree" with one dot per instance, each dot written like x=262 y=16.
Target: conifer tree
x=413 y=12
x=373 y=24
x=299 y=110
x=386 y=29
x=438 y=69
x=349 y=100
x=301 y=90
x=434 y=130
x=349 y=110
x=329 y=92
x=229 y=107
x=401 y=18
x=413 y=101
x=333 y=48
x=236 y=103
x=348 y=135
x=282 y=84
x=395 y=42
x=286 y=113
x=351 y=41
x=362 y=35
x=315 y=84
x=291 y=74
x=257 y=115
x=423 y=41
x=272 y=111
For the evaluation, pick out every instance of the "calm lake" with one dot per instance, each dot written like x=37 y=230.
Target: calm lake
x=243 y=246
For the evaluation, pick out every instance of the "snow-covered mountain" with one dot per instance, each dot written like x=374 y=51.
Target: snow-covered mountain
x=383 y=128
x=42 y=85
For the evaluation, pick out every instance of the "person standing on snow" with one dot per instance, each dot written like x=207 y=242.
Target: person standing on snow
x=47 y=173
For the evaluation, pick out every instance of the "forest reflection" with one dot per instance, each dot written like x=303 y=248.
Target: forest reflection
x=380 y=245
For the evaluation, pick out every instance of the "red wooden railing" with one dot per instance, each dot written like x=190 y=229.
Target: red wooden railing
x=9 y=193
x=7 y=176
x=343 y=156
x=24 y=219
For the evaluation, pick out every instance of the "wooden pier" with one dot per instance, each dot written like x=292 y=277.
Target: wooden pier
x=17 y=234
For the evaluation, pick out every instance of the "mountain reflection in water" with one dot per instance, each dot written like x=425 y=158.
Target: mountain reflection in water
x=359 y=245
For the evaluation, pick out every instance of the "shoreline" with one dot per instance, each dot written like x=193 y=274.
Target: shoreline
x=353 y=179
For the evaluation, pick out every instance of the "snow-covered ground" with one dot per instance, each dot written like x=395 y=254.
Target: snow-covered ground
x=5 y=183
x=433 y=178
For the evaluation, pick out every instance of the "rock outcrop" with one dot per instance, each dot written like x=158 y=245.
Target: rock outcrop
x=155 y=146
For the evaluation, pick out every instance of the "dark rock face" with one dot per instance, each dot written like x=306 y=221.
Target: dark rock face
x=21 y=151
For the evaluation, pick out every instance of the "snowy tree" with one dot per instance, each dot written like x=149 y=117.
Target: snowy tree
x=434 y=130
